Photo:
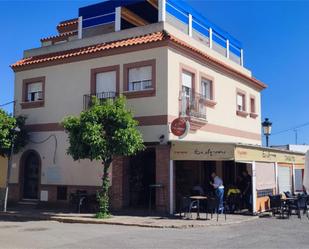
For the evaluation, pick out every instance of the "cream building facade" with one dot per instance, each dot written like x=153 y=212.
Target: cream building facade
x=166 y=68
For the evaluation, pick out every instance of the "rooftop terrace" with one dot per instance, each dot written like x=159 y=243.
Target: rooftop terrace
x=118 y=15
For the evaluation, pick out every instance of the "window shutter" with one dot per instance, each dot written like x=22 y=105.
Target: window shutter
x=35 y=87
x=298 y=180
x=187 y=79
x=240 y=100
x=106 y=82
x=140 y=74
x=284 y=179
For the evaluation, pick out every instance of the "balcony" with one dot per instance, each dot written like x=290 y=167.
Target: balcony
x=192 y=105
x=103 y=96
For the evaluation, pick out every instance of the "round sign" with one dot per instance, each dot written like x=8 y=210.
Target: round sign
x=179 y=127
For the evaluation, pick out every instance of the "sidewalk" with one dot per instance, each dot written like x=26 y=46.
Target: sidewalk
x=126 y=220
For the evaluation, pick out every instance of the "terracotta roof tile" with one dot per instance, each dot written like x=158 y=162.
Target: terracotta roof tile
x=145 y=39
x=62 y=35
x=67 y=23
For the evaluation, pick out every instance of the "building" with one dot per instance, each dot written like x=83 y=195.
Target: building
x=293 y=147
x=170 y=62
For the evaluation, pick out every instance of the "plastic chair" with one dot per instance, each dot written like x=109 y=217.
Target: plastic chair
x=298 y=205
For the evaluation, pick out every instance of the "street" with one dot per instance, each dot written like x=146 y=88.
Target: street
x=261 y=233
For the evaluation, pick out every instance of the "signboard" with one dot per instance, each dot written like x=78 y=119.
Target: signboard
x=264 y=155
x=179 y=127
x=202 y=151
x=199 y=151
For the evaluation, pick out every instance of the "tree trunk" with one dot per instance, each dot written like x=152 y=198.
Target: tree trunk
x=103 y=197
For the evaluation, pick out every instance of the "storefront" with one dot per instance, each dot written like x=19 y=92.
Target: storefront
x=271 y=170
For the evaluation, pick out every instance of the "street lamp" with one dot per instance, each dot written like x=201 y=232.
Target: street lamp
x=10 y=161
x=267 y=129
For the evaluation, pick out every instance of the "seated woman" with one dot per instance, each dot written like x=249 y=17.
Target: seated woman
x=233 y=198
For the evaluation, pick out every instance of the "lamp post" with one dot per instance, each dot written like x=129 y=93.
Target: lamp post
x=8 y=174
x=267 y=130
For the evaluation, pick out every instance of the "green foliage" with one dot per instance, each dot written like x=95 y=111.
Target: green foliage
x=100 y=133
x=8 y=124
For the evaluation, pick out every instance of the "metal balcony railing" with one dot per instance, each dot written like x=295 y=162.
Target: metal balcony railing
x=192 y=105
x=100 y=96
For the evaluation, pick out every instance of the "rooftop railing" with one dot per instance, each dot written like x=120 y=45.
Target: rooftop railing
x=175 y=12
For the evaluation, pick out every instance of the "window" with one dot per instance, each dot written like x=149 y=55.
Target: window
x=241 y=102
x=33 y=93
x=241 y=107
x=139 y=79
x=62 y=193
x=253 y=113
x=105 y=81
x=187 y=79
x=298 y=180
x=206 y=88
x=252 y=105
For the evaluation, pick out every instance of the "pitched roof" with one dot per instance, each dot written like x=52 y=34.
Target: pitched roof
x=62 y=57
x=60 y=36
x=67 y=23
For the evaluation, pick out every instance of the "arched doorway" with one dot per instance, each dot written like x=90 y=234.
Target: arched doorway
x=30 y=175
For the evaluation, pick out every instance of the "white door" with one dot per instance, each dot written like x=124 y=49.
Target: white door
x=284 y=179
x=106 y=82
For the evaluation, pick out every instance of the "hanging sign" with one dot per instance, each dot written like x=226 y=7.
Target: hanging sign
x=180 y=127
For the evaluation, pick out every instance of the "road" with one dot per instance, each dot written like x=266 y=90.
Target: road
x=260 y=233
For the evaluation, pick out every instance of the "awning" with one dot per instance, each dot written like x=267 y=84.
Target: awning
x=207 y=151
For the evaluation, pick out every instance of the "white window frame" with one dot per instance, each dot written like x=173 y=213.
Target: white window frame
x=241 y=107
x=143 y=84
x=33 y=96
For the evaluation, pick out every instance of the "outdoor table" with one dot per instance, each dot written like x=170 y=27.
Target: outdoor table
x=198 y=198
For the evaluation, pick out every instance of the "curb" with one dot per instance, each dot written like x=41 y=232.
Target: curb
x=118 y=223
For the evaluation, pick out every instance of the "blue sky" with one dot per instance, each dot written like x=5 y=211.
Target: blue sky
x=274 y=34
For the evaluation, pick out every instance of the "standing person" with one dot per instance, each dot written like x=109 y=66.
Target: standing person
x=247 y=192
x=219 y=189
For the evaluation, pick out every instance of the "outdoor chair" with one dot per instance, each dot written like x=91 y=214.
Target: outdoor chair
x=276 y=205
x=212 y=206
x=233 y=202
x=298 y=205
x=288 y=194
x=187 y=205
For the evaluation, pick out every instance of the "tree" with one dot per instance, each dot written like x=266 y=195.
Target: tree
x=13 y=136
x=107 y=129
x=9 y=135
